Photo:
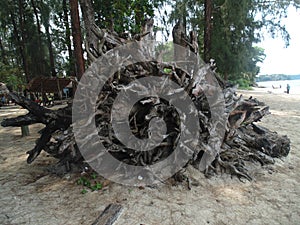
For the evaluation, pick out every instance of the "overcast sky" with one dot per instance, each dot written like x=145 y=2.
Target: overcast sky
x=281 y=60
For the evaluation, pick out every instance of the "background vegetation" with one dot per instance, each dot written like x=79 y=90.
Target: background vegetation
x=37 y=36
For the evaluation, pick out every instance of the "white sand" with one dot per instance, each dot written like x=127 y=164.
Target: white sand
x=29 y=196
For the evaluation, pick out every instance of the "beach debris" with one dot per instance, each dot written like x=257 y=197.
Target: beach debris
x=109 y=215
x=243 y=140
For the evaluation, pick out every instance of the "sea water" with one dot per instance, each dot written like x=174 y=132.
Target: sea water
x=294 y=84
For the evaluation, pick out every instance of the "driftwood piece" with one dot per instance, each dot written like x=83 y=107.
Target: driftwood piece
x=244 y=141
x=109 y=216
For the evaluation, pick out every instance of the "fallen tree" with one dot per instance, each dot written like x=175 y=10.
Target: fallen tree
x=243 y=140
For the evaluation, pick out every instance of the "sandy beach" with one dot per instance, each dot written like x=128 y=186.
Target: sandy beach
x=30 y=195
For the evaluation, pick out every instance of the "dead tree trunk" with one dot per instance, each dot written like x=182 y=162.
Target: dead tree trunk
x=179 y=38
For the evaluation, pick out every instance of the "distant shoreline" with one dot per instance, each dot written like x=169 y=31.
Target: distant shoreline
x=277 y=77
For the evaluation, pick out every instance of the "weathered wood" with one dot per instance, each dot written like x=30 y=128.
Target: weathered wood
x=244 y=141
x=179 y=38
x=55 y=120
x=109 y=216
x=21 y=121
x=194 y=42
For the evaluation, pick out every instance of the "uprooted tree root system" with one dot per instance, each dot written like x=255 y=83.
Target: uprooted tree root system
x=243 y=142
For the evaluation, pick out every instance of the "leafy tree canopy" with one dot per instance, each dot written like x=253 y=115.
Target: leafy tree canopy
x=35 y=35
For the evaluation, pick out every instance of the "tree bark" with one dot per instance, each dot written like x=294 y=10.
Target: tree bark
x=3 y=54
x=179 y=38
x=17 y=37
x=41 y=65
x=22 y=39
x=208 y=5
x=68 y=38
x=89 y=20
x=51 y=54
x=76 y=33
x=225 y=76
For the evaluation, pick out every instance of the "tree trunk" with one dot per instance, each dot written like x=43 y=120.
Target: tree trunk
x=50 y=48
x=208 y=5
x=89 y=20
x=68 y=38
x=17 y=38
x=76 y=33
x=3 y=54
x=225 y=76
x=41 y=65
x=22 y=40
x=35 y=10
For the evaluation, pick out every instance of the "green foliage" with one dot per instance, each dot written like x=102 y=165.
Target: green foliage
x=13 y=77
x=29 y=28
x=167 y=50
x=26 y=39
x=84 y=191
x=269 y=15
x=243 y=83
x=89 y=182
x=236 y=28
x=35 y=34
x=124 y=16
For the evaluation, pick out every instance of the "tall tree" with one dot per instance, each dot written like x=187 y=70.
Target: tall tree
x=71 y=68
x=3 y=53
x=208 y=6
x=77 y=41
x=228 y=30
x=41 y=65
x=88 y=14
x=21 y=37
x=46 y=12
